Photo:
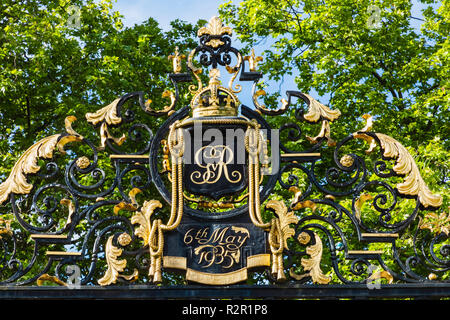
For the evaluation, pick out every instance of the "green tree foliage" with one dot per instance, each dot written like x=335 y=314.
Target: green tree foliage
x=362 y=57
x=63 y=58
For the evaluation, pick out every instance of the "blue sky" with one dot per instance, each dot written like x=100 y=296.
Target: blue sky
x=191 y=11
x=164 y=11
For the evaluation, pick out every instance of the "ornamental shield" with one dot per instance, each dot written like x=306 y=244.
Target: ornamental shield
x=215 y=160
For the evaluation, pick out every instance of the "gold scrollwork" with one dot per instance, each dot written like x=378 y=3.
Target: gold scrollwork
x=280 y=231
x=316 y=110
x=325 y=132
x=258 y=93
x=115 y=265
x=168 y=108
x=312 y=264
x=405 y=165
x=27 y=163
x=107 y=114
x=46 y=277
x=133 y=206
x=360 y=202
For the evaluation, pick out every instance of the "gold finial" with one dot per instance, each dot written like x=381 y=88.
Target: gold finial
x=214 y=27
x=176 y=60
x=253 y=61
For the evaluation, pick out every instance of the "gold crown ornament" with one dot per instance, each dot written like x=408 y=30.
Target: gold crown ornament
x=214 y=100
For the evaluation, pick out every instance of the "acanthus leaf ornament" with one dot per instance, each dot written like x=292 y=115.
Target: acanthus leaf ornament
x=312 y=264
x=107 y=114
x=413 y=184
x=143 y=218
x=28 y=162
x=115 y=265
x=317 y=111
x=286 y=218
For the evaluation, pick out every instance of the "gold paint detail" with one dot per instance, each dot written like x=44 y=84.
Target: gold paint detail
x=166 y=157
x=106 y=135
x=405 y=165
x=46 y=277
x=214 y=27
x=133 y=206
x=369 y=123
x=381 y=274
x=27 y=164
x=296 y=204
x=63 y=253
x=317 y=111
x=206 y=103
x=325 y=132
x=167 y=108
x=260 y=107
x=172 y=262
x=115 y=265
x=359 y=204
x=379 y=235
x=306 y=154
x=253 y=61
x=286 y=218
x=312 y=264
x=217 y=159
x=6 y=229
x=107 y=114
x=83 y=162
x=176 y=60
x=436 y=223
x=128 y=156
x=362 y=252
x=71 y=207
x=258 y=260
x=152 y=233
x=368 y=127
x=347 y=160
x=68 y=125
x=220 y=204
x=143 y=218
x=48 y=236
x=432 y=276
x=217 y=278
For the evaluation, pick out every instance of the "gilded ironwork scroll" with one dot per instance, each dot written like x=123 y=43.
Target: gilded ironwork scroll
x=218 y=193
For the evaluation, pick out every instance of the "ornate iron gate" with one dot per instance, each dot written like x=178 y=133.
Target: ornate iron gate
x=220 y=197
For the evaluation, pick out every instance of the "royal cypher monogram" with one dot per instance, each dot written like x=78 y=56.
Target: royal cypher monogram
x=217 y=158
x=221 y=247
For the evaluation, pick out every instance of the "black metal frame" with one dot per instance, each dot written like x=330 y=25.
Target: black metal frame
x=413 y=270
